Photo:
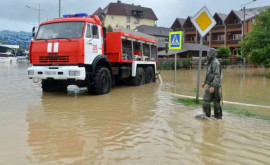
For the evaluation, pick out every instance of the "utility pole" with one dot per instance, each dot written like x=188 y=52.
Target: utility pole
x=37 y=9
x=244 y=23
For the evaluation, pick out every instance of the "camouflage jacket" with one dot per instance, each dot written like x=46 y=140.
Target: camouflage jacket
x=213 y=73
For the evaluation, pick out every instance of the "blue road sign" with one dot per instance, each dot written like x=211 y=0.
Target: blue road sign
x=175 y=40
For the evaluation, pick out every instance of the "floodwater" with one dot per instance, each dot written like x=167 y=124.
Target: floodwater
x=131 y=125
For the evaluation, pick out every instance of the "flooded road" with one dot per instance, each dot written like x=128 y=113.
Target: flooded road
x=130 y=125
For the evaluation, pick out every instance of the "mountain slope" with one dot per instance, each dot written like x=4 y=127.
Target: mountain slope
x=16 y=38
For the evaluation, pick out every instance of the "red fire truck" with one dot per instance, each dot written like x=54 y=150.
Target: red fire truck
x=76 y=49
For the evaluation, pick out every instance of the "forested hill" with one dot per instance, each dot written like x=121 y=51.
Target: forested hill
x=15 y=38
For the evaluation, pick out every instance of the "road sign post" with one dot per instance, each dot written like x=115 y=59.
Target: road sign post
x=175 y=43
x=203 y=22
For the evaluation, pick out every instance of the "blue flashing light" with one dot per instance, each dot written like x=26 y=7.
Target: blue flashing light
x=81 y=15
x=67 y=15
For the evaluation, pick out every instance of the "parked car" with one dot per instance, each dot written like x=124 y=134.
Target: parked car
x=7 y=54
x=5 y=57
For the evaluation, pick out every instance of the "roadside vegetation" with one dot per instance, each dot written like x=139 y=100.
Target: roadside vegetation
x=236 y=110
x=256 y=44
x=169 y=64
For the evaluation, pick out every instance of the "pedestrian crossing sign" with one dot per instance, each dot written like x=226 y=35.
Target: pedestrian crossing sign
x=175 y=40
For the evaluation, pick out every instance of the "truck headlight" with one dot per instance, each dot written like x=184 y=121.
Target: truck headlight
x=30 y=72
x=74 y=73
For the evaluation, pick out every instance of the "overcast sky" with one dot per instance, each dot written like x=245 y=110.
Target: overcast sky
x=14 y=15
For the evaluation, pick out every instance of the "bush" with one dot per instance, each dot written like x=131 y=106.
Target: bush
x=186 y=62
x=109 y=28
x=169 y=64
x=225 y=62
x=180 y=64
x=267 y=65
x=268 y=75
x=223 y=52
x=239 y=57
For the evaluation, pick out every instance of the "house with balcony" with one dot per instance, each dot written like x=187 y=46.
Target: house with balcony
x=234 y=28
x=190 y=32
x=178 y=24
x=218 y=32
x=124 y=15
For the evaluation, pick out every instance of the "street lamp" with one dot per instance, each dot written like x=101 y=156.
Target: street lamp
x=35 y=9
x=244 y=8
x=59 y=8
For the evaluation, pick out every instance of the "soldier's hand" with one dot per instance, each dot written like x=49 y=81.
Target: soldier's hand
x=211 y=90
x=202 y=85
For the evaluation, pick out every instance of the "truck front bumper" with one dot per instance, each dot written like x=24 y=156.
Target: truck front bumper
x=57 y=72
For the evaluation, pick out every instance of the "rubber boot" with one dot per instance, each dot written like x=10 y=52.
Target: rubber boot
x=217 y=111
x=207 y=109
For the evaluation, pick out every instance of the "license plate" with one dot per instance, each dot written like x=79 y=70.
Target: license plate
x=50 y=73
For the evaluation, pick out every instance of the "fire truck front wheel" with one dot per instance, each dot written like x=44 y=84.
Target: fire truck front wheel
x=102 y=81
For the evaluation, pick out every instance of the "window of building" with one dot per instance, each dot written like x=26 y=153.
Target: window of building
x=254 y=21
x=236 y=21
x=193 y=38
x=128 y=19
x=220 y=37
x=137 y=20
x=235 y=52
x=206 y=38
x=237 y=36
x=128 y=26
x=219 y=23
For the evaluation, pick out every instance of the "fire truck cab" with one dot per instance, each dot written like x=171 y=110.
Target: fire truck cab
x=76 y=49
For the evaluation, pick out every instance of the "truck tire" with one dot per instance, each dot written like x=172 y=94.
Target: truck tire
x=102 y=81
x=139 y=79
x=149 y=75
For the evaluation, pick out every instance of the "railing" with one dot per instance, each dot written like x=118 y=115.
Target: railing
x=233 y=41
x=206 y=42
x=190 y=29
x=189 y=41
x=217 y=42
x=234 y=26
x=219 y=27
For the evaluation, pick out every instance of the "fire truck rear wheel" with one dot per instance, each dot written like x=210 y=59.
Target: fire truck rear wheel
x=102 y=81
x=139 y=79
x=149 y=75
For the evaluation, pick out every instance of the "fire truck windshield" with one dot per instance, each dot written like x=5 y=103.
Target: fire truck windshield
x=60 y=30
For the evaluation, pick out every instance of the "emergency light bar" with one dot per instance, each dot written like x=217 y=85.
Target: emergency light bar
x=75 y=15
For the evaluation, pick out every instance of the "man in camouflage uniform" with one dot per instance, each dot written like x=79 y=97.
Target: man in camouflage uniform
x=213 y=82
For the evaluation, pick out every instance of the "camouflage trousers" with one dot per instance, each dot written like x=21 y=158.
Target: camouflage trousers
x=208 y=98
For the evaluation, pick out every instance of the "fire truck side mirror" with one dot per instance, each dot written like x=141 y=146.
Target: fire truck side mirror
x=33 y=32
x=94 y=30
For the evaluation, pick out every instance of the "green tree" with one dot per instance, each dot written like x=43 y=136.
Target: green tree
x=223 y=52
x=109 y=28
x=2 y=42
x=256 y=44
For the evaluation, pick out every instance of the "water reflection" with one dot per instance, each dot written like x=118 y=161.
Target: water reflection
x=68 y=127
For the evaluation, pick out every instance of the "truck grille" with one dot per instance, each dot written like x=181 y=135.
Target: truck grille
x=54 y=59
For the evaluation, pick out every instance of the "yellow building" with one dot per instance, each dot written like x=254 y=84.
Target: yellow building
x=127 y=16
